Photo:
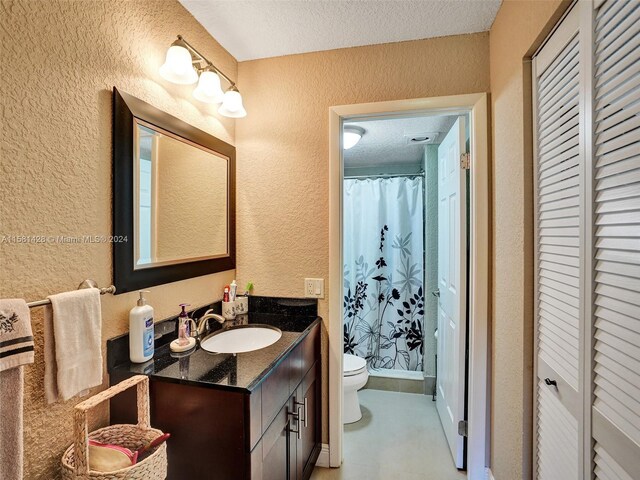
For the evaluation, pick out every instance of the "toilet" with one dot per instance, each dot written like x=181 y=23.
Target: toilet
x=355 y=376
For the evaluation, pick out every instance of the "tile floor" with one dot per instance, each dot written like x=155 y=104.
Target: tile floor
x=399 y=438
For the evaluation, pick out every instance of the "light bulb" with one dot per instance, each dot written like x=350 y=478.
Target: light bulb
x=208 y=89
x=232 y=104
x=178 y=66
x=350 y=136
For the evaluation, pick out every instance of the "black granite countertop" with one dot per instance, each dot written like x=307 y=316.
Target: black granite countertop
x=238 y=372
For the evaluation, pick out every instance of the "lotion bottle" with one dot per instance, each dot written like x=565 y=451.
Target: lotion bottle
x=141 y=331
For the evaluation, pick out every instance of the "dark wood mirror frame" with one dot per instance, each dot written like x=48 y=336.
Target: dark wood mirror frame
x=125 y=109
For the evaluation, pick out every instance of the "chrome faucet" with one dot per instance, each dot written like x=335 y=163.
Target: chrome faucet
x=201 y=324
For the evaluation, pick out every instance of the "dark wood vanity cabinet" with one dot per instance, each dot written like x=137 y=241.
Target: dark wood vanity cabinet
x=290 y=445
x=222 y=434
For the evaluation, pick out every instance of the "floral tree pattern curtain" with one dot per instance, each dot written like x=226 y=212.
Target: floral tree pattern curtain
x=383 y=271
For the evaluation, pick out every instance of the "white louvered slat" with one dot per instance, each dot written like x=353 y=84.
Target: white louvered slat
x=557 y=438
x=565 y=114
x=620 y=98
x=606 y=468
x=617 y=380
x=561 y=169
x=565 y=160
x=607 y=170
x=620 y=154
x=617 y=237
x=618 y=280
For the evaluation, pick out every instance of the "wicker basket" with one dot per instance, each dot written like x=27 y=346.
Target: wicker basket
x=75 y=463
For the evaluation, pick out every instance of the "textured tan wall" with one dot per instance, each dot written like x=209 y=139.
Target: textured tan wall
x=519 y=26
x=283 y=145
x=56 y=166
x=59 y=61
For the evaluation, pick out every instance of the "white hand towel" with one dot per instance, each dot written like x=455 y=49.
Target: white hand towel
x=73 y=337
x=16 y=350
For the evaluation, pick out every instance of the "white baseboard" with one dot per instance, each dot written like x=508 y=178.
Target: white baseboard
x=490 y=474
x=323 y=458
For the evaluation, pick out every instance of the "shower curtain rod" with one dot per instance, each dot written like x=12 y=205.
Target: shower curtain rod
x=383 y=175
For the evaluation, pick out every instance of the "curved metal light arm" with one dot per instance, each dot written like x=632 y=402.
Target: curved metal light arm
x=199 y=57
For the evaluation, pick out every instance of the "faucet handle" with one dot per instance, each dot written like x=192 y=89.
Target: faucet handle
x=193 y=327
x=201 y=324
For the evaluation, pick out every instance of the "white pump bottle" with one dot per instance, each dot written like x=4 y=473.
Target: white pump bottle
x=141 y=331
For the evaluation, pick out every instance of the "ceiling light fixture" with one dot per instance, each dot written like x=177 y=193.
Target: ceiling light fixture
x=351 y=135
x=184 y=65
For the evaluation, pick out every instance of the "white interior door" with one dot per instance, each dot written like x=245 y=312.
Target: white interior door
x=452 y=285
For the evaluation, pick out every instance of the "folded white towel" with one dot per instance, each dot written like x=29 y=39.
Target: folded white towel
x=16 y=339
x=16 y=350
x=73 y=337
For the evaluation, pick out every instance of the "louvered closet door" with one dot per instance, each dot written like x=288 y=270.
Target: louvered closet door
x=616 y=355
x=559 y=159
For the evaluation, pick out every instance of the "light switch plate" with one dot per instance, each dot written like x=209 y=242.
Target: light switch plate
x=314 y=287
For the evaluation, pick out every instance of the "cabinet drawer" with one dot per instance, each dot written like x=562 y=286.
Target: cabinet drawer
x=304 y=356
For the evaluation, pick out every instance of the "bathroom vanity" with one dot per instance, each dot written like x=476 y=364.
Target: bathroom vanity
x=253 y=415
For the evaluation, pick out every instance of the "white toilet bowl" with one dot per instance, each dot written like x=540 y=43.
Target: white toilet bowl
x=355 y=376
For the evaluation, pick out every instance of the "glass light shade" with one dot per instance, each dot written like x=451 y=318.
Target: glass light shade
x=177 y=67
x=232 y=105
x=208 y=89
x=351 y=136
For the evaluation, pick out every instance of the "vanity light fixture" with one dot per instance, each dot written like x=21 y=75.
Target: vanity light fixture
x=184 y=65
x=351 y=135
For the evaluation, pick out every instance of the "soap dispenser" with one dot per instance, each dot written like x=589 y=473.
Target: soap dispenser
x=141 y=331
x=184 y=341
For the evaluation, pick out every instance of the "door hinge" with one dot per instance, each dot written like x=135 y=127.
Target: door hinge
x=465 y=161
x=463 y=426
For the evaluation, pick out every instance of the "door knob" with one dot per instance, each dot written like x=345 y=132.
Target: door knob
x=550 y=382
x=436 y=293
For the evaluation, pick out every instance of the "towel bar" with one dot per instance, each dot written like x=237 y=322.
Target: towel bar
x=86 y=284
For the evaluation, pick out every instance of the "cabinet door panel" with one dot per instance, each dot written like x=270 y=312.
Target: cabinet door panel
x=253 y=409
x=311 y=428
x=275 y=448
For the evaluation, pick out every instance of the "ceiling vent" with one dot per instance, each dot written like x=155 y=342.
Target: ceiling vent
x=421 y=138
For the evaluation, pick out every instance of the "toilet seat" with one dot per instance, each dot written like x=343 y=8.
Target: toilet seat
x=353 y=365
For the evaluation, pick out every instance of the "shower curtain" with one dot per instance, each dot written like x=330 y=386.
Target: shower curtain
x=383 y=271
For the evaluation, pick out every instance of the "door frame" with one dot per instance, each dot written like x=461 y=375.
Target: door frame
x=476 y=105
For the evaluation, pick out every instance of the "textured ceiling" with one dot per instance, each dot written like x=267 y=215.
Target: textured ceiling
x=251 y=29
x=385 y=141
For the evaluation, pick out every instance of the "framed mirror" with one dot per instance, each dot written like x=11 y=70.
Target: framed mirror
x=173 y=198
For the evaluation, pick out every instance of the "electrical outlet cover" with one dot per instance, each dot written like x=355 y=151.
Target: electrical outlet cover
x=314 y=287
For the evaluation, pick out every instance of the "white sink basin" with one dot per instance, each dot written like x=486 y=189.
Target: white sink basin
x=243 y=338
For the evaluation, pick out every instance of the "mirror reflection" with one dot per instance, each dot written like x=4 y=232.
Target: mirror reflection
x=181 y=199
